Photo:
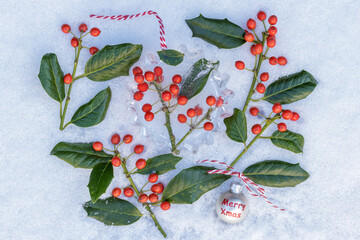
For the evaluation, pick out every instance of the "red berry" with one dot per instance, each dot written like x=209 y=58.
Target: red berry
x=191 y=112
x=211 y=100
x=137 y=70
x=166 y=96
x=249 y=37
x=272 y=30
x=174 y=88
x=177 y=79
x=272 y=20
x=67 y=78
x=150 y=76
x=256 y=129
x=219 y=101
x=165 y=205
x=260 y=88
x=264 y=76
x=157 y=188
x=97 y=146
x=146 y=107
x=74 y=42
x=251 y=24
x=140 y=164
x=287 y=114
x=127 y=138
x=83 y=27
x=282 y=127
x=143 y=198
x=258 y=49
x=277 y=108
x=282 y=61
x=93 y=50
x=139 y=78
x=270 y=41
x=261 y=15
x=158 y=71
x=198 y=110
x=208 y=126
x=138 y=96
x=143 y=87
x=273 y=61
x=182 y=100
x=138 y=149
x=116 y=192
x=149 y=116
x=153 y=197
x=240 y=65
x=128 y=192
x=66 y=28
x=252 y=50
x=182 y=118
x=95 y=32
x=153 y=177
x=295 y=116
x=115 y=139
x=116 y=161
x=254 y=111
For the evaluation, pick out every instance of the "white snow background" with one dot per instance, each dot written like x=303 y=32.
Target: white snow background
x=41 y=196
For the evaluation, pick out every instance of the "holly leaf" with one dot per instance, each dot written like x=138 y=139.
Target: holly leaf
x=288 y=140
x=80 y=155
x=191 y=183
x=290 y=88
x=196 y=78
x=51 y=77
x=219 y=32
x=100 y=178
x=112 y=61
x=236 y=128
x=274 y=173
x=171 y=56
x=160 y=164
x=94 y=111
x=113 y=211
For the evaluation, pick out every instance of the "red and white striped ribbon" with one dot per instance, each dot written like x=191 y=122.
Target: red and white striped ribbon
x=248 y=182
x=128 y=17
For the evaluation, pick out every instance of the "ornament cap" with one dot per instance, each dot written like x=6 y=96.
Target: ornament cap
x=235 y=187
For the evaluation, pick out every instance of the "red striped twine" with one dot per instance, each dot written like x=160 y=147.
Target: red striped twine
x=127 y=17
x=248 y=182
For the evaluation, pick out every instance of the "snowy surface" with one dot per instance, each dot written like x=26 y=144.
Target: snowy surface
x=41 y=196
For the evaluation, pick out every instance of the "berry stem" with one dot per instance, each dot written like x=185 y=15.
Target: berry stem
x=126 y=172
x=195 y=127
x=167 y=119
x=256 y=72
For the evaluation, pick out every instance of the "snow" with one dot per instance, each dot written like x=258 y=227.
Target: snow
x=42 y=196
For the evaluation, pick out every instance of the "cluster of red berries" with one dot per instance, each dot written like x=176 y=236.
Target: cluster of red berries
x=167 y=94
x=75 y=42
x=116 y=161
x=277 y=108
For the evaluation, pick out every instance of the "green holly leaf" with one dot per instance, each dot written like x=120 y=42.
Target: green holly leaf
x=275 y=173
x=196 y=78
x=51 y=77
x=80 y=155
x=113 y=211
x=93 y=112
x=288 y=140
x=290 y=88
x=171 y=56
x=112 y=61
x=236 y=128
x=191 y=183
x=100 y=178
x=160 y=164
x=219 y=32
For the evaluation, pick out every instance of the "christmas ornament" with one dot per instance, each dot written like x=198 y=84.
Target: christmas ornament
x=232 y=206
